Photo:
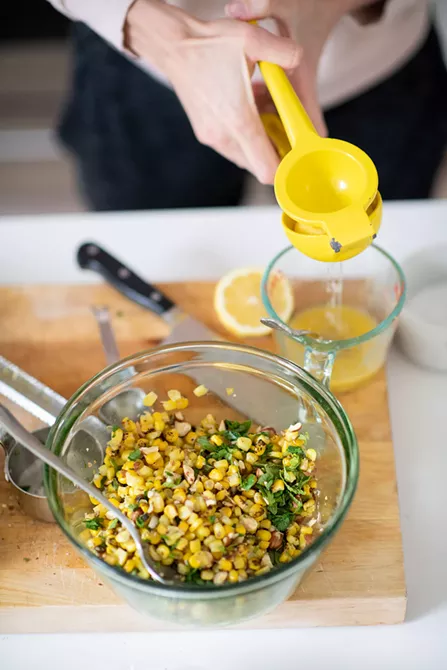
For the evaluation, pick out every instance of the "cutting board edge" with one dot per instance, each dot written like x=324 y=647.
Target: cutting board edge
x=109 y=619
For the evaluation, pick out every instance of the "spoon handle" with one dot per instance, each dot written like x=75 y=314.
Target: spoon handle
x=30 y=442
x=109 y=345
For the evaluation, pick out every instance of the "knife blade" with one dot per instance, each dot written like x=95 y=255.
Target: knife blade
x=183 y=328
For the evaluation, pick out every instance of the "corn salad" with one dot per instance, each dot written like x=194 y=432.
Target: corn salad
x=219 y=502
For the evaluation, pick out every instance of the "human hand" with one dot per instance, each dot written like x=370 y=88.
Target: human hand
x=209 y=65
x=309 y=23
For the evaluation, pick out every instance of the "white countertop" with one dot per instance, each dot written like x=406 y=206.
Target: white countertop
x=199 y=245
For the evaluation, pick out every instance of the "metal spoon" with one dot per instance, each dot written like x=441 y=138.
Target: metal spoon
x=284 y=328
x=163 y=574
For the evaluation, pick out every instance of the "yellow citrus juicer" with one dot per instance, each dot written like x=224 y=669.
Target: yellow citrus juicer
x=326 y=188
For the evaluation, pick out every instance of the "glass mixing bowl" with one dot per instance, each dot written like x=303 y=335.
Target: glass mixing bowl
x=267 y=389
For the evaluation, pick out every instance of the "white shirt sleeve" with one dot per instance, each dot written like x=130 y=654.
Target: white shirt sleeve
x=105 y=17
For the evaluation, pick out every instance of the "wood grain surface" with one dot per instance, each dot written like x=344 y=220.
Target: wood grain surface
x=50 y=332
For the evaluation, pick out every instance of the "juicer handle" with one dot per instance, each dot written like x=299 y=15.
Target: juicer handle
x=277 y=135
x=294 y=117
x=91 y=256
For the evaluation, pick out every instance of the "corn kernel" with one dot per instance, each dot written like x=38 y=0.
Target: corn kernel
x=200 y=391
x=171 y=436
x=179 y=495
x=162 y=529
x=311 y=454
x=163 y=551
x=256 y=511
x=170 y=512
x=158 y=504
x=200 y=462
x=169 y=406
x=153 y=537
x=203 y=532
x=225 y=564
x=183 y=526
x=229 y=390
x=266 y=523
x=233 y=576
x=150 y=399
x=264 y=535
x=264 y=545
x=219 y=531
x=243 y=443
x=195 y=525
x=240 y=529
x=207 y=575
x=216 y=475
x=182 y=403
x=221 y=465
x=203 y=559
x=251 y=458
x=260 y=449
x=239 y=563
x=221 y=495
x=159 y=424
x=216 y=547
x=184 y=512
x=278 y=485
x=306 y=530
x=217 y=440
x=116 y=438
x=254 y=563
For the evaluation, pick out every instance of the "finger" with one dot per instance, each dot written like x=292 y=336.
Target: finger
x=260 y=156
x=262 y=45
x=305 y=86
x=219 y=138
x=249 y=9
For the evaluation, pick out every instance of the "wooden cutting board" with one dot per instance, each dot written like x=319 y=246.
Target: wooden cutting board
x=45 y=586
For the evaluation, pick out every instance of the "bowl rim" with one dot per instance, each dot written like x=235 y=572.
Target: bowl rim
x=331 y=406
x=337 y=345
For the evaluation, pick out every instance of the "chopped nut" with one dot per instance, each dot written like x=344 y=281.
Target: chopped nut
x=250 y=525
x=182 y=428
x=189 y=474
x=276 y=540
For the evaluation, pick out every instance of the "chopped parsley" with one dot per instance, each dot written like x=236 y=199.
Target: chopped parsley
x=248 y=483
x=93 y=524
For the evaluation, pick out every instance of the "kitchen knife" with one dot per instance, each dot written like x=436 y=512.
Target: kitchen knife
x=184 y=328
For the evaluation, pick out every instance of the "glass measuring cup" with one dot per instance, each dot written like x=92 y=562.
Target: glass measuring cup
x=352 y=305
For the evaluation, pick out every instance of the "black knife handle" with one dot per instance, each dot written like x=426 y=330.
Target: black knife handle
x=91 y=256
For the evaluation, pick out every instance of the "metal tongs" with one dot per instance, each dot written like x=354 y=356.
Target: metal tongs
x=22 y=469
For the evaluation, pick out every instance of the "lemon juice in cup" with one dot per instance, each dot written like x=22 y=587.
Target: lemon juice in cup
x=350 y=310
